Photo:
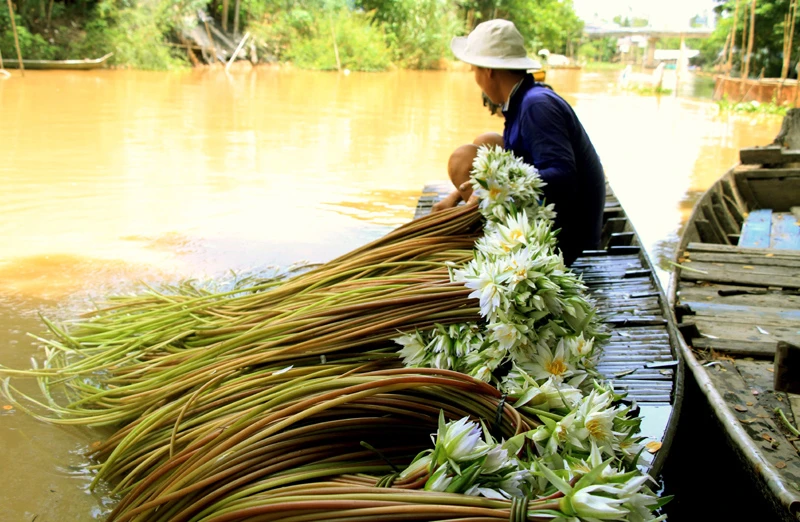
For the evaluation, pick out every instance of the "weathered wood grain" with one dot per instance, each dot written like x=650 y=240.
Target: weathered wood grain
x=756 y=229
x=785 y=231
x=705 y=247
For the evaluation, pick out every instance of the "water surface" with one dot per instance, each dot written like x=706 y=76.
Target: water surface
x=112 y=177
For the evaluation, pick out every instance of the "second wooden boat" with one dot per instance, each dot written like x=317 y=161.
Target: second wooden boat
x=73 y=65
x=736 y=295
x=642 y=357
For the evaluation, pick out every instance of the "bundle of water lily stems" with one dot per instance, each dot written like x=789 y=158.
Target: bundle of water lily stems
x=288 y=399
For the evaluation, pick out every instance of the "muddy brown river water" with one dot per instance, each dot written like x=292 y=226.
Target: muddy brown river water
x=114 y=177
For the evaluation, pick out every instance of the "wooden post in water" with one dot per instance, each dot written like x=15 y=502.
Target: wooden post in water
x=788 y=36
x=729 y=67
x=236 y=18
x=335 y=45
x=746 y=72
x=16 y=38
x=214 y=58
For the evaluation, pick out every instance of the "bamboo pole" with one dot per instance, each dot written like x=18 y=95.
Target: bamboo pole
x=729 y=67
x=750 y=40
x=214 y=58
x=16 y=38
x=744 y=40
x=236 y=18
x=335 y=46
x=788 y=37
x=225 y=6
x=236 y=52
x=723 y=67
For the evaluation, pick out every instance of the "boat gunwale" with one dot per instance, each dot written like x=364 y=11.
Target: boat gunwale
x=68 y=64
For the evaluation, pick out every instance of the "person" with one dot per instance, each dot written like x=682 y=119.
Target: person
x=540 y=127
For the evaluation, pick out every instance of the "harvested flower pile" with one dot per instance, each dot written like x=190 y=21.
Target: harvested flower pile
x=443 y=372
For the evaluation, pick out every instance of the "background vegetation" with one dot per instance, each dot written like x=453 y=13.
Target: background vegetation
x=370 y=34
x=767 y=43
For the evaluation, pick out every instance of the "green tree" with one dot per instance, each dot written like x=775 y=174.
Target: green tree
x=545 y=24
x=768 y=40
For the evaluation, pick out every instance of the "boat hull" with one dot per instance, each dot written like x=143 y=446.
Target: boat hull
x=733 y=302
x=71 y=65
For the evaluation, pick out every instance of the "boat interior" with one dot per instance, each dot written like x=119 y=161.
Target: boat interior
x=736 y=295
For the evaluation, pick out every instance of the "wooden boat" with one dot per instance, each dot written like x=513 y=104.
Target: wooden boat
x=642 y=357
x=73 y=65
x=735 y=294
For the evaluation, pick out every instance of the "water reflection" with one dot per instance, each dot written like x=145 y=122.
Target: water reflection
x=112 y=177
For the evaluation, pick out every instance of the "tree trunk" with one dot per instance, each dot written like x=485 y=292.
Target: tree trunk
x=225 y=15
x=236 y=18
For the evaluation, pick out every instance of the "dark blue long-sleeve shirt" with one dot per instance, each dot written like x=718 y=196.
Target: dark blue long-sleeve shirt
x=544 y=131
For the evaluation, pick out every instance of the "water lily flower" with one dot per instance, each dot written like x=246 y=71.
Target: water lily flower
x=550 y=365
x=413 y=351
x=439 y=480
x=461 y=441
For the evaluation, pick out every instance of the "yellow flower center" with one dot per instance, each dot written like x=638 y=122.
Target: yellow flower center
x=515 y=234
x=556 y=367
x=596 y=429
x=493 y=193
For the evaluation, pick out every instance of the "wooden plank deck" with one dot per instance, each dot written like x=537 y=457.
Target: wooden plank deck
x=756 y=229
x=639 y=358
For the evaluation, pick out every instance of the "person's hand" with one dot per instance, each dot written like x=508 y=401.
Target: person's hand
x=450 y=201
x=465 y=190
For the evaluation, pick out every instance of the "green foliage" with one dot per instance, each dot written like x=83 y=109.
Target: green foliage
x=752 y=107
x=361 y=45
x=419 y=31
x=31 y=45
x=599 y=50
x=768 y=41
x=370 y=34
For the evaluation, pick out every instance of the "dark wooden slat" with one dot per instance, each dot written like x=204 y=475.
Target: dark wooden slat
x=732 y=330
x=763 y=349
x=743 y=186
x=737 y=268
x=761 y=155
x=778 y=194
x=766 y=173
x=705 y=247
x=729 y=273
x=621 y=239
x=756 y=229
x=711 y=217
x=709 y=233
x=785 y=232
x=743 y=259
x=716 y=309
x=724 y=217
x=689 y=292
x=734 y=209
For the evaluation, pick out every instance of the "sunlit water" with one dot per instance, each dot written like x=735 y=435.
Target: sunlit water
x=112 y=177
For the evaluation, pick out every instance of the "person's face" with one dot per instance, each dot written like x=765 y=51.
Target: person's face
x=486 y=81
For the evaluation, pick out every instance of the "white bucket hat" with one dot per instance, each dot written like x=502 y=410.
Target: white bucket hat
x=494 y=44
